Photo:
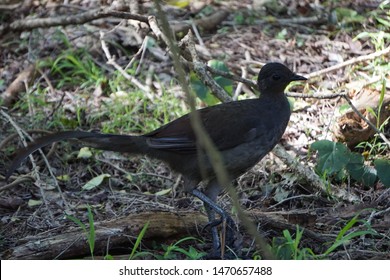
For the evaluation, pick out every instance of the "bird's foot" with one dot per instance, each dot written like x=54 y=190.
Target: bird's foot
x=228 y=242
x=229 y=234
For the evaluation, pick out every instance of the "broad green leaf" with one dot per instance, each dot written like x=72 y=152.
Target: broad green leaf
x=355 y=166
x=359 y=171
x=383 y=169
x=204 y=92
x=369 y=176
x=94 y=182
x=332 y=156
x=225 y=83
x=217 y=64
x=345 y=15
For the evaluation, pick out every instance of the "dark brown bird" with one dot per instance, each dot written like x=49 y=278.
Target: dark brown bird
x=243 y=131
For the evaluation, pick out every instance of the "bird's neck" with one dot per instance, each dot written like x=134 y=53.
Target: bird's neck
x=272 y=95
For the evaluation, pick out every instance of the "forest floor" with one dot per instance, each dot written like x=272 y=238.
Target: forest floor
x=60 y=78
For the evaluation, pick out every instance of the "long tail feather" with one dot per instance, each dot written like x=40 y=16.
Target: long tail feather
x=110 y=142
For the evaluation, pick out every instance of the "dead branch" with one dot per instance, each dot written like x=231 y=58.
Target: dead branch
x=122 y=233
x=207 y=23
x=200 y=70
x=30 y=24
x=118 y=233
x=350 y=62
x=18 y=85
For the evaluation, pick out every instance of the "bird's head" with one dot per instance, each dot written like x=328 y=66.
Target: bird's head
x=274 y=78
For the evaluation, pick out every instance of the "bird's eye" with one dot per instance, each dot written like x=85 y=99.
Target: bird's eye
x=275 y=77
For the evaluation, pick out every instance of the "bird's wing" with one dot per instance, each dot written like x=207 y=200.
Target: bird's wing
x=178 y=135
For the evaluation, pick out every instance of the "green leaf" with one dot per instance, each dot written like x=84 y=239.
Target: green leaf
x=197 y=86
x=281 y=194
x=355 y=167
x=178 y=3
x=138 y=241
x=33 y=202
x=91 y=233
x=225 y=83
x=163 y=192
x=94 y=182
x=382 y=21
x=64 y=177
x=359 y=171
x=344 y=108
x=369 y=176
x=77 y=221
x=383 y=169
x=217 y=64
x=332 y=156
x=84 y=152
x=204 y=92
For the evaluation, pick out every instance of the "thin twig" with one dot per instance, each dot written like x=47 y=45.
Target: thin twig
x=17 y=182
x=139 y=50
x=111 y=61
x=200 y=70
x=316 y=95
x=292 y=198
x=238 y=90
x=349 y=62
x=21 y=134
x=143 y=51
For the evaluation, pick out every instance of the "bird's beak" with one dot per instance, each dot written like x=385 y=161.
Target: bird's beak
x=296 y=77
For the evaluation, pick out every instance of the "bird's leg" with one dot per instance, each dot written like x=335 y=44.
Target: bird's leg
x=214 y=232
x=207 y=199
x=228 y=229
x=212 y=208
x=212 y=192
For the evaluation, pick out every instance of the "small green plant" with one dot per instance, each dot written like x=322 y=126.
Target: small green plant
x=172 y=250
x=346 y=17
x=91 y=237
x=287 y=247
x=76 y=67
x=90 y=232
x=134 y=254
x=335 y=159
x=134 y=112
x=375 y=147
x=242 y=18
x=347 y=233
